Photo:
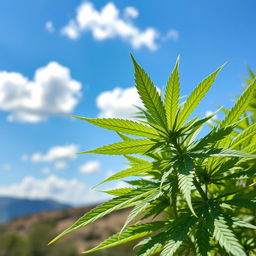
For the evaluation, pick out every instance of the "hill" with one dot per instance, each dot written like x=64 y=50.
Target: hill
x=11 y=208
x=42 y=227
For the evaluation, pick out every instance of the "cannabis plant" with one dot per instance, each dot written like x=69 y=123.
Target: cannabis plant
x=190 y=194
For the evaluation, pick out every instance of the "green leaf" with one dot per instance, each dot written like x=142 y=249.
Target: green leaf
x=172 y=95
x=124 y=126
x=237 y=222
x=222 y=232
x=124 y=137
x=157 y=207
x=135 y=160
x=123 y=148
x=240 y=107
x=153 y=244
x=226 y=238
x=196 y=96
x=105 y=209
x=185 y=177
x=217 y=152
x=214 y=136
x=118 y=191
x=138 y=169
x=202 y=239
x=149 y=95
x=243 y=136
x=140 y=183
x=178 y=233
x=142 y=206
x=129 y=234
x=243 y=203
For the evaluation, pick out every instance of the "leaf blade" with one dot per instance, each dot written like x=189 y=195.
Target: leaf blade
x=123 y=148
x=122 y=125
x=172 y=95
x=149 y=95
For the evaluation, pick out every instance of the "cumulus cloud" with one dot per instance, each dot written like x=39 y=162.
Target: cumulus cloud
x=131 y=12
x=49 y=27
x=108 y=23
x=52 y=92
x=118 y=103
x=52 y=187
x=57 y=153
x=90 y=167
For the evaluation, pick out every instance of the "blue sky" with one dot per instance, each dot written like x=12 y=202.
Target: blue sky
x=72 y=57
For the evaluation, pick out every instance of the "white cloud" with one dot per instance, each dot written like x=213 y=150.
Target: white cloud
x=52 y=187
x=52 y=92
x=59 y=165
x=49 y=27
x=57 y=153
x=109 y=23
x=119 y=103
x=171 y=35
x=90 y=167
x=131 y=12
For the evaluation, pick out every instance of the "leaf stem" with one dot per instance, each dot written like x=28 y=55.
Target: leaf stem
x=177 y=146
x=200 y=190
x=175 y=206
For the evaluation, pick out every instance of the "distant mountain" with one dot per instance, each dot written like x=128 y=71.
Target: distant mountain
x=11 y=208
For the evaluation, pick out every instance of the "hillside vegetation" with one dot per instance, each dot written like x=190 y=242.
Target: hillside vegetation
x=28 y=236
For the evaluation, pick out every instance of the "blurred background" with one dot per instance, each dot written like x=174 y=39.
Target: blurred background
x=59 y=58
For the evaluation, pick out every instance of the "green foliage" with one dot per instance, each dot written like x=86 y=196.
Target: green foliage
x=203 y=189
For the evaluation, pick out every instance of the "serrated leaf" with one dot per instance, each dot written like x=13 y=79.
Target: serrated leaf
x=240 y=107
x=135 y=160
x=153 y=244
x=149 y=95
x=140 y=183
x=157 y=207
x=226 y=238
x=202 y=239
x=105 y=209
x=142 y=206
x=185 y=178
x=121 y=125
x=172 y=95
x=243 y=203
x=123 y=148
x=135 y=170
x=217 y=152
x=237 y=222
x=124 y=137
x=177 y=234
x=118 y=191
x=243 y=136
x=214 y=136
x=129 y=234
x=196 y=96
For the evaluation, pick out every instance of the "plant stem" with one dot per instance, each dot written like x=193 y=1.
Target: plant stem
x=175 y=206
x=200 y=190
x=177 y=146
x=206 y=189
